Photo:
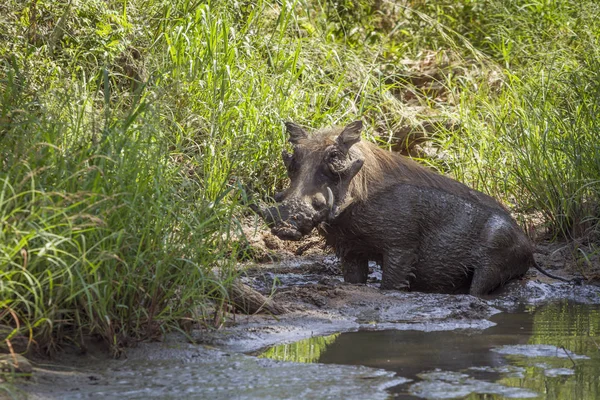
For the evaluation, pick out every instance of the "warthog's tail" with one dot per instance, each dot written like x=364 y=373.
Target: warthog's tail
x=575 y=281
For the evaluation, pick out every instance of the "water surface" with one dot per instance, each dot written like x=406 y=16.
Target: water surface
x=548 y=352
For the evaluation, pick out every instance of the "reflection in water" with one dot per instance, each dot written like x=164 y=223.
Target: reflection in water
x=307 y=350
x=563 y=328
x=575 y=328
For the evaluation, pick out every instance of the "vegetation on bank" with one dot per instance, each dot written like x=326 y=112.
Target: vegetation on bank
x=128 y=129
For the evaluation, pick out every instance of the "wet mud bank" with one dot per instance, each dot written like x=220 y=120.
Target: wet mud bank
x=178 y=370
x=329 y=322
x=320 y=303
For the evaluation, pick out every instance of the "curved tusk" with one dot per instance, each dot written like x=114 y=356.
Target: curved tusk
x=329 y=198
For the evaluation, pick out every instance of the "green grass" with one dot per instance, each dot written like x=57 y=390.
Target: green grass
x=129 y=128
x=534 y=140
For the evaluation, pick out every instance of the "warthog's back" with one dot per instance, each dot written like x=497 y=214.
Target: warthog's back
x=441 y=239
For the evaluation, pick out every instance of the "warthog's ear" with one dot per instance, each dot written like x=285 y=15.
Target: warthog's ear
x=349 y=136
x=296 y=132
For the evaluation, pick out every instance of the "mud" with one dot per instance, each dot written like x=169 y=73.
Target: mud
x=322 y=304
x=223 y=364
x=178 y=370
x=452 y=385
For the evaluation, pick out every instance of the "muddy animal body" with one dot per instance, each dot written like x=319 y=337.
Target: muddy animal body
x=429 y=232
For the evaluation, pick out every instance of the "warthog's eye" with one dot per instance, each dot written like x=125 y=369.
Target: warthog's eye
x=287 y=158
x=288 y=161
x=334 y=155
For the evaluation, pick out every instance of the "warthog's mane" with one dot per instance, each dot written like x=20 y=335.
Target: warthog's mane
x=384 y=168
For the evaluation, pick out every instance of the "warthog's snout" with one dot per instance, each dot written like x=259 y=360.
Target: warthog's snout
x=294 y=218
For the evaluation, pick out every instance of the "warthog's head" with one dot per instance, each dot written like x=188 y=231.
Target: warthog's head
x=320 y=171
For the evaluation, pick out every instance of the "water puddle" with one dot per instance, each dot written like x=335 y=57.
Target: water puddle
x=547 y=351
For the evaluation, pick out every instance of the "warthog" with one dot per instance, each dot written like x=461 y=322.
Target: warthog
x=429 y=232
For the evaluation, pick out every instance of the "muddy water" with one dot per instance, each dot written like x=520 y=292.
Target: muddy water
x=549 y=351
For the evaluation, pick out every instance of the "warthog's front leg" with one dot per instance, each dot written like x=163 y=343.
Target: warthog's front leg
x=398 y=269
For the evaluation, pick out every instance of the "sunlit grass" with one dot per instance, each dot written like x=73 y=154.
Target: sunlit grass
x=119 y=198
